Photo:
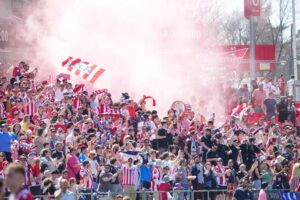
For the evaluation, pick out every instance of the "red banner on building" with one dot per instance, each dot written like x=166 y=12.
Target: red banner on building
x=237 y=57
x=251 y=8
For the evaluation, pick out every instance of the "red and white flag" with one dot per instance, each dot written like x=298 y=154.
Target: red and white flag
x=85 y=70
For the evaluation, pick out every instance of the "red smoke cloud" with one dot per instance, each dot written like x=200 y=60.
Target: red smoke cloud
x=151 y=47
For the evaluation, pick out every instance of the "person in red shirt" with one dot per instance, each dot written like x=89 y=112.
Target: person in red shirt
x=60 y=124
x=36 y=170
x=17 y=69
x=258 y=98
x=164 y=188
x=131 y=107
x=15 y=175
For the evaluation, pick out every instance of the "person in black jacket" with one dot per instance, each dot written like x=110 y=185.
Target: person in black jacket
x=197 y=170
x=282 y=110
x=192 y=146
x=223 y=151
x=206 y=142
x=280 y=178
x=249 y=151
x=210 y=181
x=233 y=152
x=212 y=155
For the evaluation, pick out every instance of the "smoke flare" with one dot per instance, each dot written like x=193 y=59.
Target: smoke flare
x=156 y=47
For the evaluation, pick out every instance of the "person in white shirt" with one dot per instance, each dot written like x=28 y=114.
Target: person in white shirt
x=246 y=80
x=290 y=86
x=95 y=168
x=72 y=135
x=59 y=93
x=267 y=85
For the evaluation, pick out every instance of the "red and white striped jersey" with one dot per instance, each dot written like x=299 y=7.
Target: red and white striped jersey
x=221 y=179
x=115 y=112
x=76 y=103
x=28 y=175
x=129 y=175
x=156 y=178
x=30 y=108
x=87 y=178
x=2 y=110
x=50 y=95
x=34 y=84
x=103 y=109
x=23 y=194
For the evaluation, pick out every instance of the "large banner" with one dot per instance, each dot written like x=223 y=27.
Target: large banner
x=251 y=8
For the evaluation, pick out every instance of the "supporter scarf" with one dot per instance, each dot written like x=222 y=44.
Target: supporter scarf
x=149 y=97
x=78 y=88
x=134 y=154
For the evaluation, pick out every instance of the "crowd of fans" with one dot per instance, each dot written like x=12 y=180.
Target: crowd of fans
x=64 y=141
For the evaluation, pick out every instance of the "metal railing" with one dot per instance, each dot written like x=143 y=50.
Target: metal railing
x=170 y=195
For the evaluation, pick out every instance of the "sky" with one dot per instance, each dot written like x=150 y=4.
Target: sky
x=231 y=5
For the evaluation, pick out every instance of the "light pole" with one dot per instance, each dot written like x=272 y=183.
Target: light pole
x=252 y=47
x=294 y=40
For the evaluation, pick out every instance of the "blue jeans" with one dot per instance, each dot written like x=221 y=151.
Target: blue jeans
x=186 y=186
x=257 y=184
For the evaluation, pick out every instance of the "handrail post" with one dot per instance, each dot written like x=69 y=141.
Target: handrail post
x=192 y=194
x=92 y=195
x=143 y=195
